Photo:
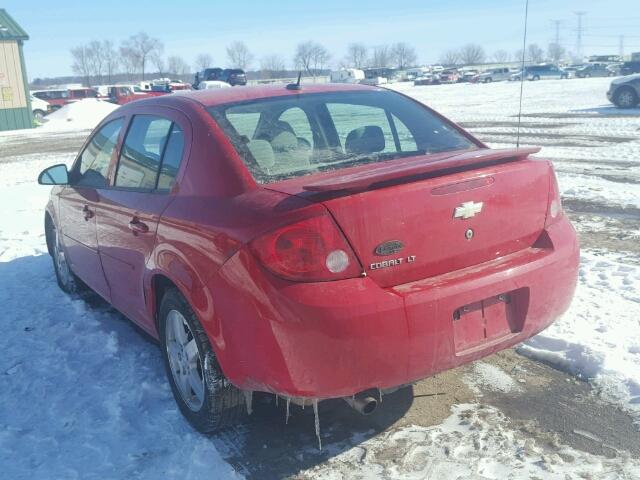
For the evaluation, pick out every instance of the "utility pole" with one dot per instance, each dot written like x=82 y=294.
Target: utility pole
x=557 y=24
x=579 y=39
x=621 y=46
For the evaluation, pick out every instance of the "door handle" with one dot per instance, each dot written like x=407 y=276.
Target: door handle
x=136 y=226
x=87 y=212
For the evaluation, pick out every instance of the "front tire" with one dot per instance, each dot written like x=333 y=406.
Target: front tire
x=625 y=97
x=205 y=397
x=38 y=115
x=536 y=77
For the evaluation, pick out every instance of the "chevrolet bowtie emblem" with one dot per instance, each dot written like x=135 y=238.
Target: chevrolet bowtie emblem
x=467 y=210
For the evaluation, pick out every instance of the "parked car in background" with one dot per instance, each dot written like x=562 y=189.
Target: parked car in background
x=427 y=79
x=493 y=75
x=346 y=75
x=290 y=241
x=570 y=70
x=594 y=70
x=545 y=72
x=232 y=76
x=469 y=75
x=450 y=75
x=39 y=108
x=55 y=98
x=123 y=94
x=211 y=84
x=624 y=92
x=629 y=68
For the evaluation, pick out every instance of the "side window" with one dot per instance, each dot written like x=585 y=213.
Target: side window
x=299 y=122
x=407 y=141
x=95 y=159
x=171 y=158
x=245 y=123
x=141 y=152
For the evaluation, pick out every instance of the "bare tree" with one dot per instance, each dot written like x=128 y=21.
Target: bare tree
x=450 y=57
x=403 y=55
x=203 y=61
x=81 y=63
x=272 y=65
x=239 y=56
x=381 y=56
x=555 y=52
x=111 y=60
x=129 y=60
x=534 y=53
x=356 y=55
x=95 y=59
x=472 y=53
x=500 y=56
x=158 y=61
x=143 y=47
x=311 y=57
x=177 y=66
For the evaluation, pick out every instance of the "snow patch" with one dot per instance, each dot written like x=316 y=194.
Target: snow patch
x=81 y=115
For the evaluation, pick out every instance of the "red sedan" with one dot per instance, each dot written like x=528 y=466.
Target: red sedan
x=313 y=243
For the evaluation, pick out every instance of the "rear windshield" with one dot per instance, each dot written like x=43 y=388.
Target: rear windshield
x=285 y=137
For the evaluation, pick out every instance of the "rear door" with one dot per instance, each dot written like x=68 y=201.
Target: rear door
x=148 y=163
x=79 y=203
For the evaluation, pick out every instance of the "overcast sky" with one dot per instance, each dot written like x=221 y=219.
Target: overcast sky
x=190 y=27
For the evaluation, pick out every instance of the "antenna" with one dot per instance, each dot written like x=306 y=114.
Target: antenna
x=296 y=86
x=524 y=53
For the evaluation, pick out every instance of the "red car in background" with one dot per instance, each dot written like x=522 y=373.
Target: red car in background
x=312 y=242
x=449 y=76
x=124 y=94
x=58 y=98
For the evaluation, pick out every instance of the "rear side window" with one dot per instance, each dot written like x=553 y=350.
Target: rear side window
x=286 y=137
x=95 y=159
x=150 y=142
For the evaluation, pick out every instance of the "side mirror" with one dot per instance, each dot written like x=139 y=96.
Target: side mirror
x=55 y=175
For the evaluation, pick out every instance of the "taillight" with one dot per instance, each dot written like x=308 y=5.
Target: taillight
x=554 y=207
x=310 y=250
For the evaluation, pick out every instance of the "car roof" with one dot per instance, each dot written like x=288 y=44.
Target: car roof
x=221 y=96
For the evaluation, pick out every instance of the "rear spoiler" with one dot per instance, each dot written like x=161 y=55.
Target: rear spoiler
x=389 y=171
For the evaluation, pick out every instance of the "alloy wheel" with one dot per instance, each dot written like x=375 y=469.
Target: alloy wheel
x=184 y=360
x=64 y=272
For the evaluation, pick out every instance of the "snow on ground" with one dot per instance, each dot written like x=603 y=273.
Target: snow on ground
x=592 y=143
x=81 y=115
x=599 y=337
x=475 y=442
x=84 y=396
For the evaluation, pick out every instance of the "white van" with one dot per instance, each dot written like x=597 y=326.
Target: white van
x=347 y=75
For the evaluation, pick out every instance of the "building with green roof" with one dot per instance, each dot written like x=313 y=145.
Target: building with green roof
x=15 y=103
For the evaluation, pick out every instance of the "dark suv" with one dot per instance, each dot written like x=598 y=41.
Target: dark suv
x=629 y=68
x=233 y=76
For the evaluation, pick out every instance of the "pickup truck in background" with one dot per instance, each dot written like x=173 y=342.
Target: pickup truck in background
x=124 y=94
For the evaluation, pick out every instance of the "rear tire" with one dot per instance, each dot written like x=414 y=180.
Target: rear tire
x=625 y=97
x=536 y=77
x=67 y=281
x=205 y=397
x=488 y=80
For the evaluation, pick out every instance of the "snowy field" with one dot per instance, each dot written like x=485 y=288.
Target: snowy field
x=84 y=394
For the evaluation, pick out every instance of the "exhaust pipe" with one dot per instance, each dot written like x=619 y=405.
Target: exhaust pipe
x=364 y=406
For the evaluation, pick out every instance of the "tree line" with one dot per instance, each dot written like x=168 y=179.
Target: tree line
x=473 y=54
x=98 y=62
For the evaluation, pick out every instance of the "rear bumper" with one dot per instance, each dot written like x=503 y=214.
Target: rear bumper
x=335 y=339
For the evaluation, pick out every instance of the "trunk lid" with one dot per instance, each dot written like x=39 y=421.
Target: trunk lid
x=436 y=217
